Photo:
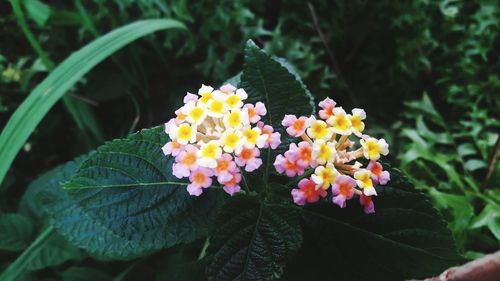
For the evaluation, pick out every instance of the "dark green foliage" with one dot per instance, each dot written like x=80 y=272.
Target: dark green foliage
x=271 y=82
x=267 y=81
x=253 y=240
x=84 y=273
x=17 y=232
x=427 y=72
x=55 y=252
x=405 y=238
x=125 y=194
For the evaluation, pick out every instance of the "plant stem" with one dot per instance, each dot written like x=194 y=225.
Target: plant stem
x=492 y=163
x=203 y=252
x=304 y=175
x=15 y=269
x=331 y=54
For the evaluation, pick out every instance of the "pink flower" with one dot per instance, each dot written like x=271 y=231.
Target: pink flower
x=303 y=154
x=307 y=192
x=200 y=178
x=378 y=174
x=287 y=165
x=367 y=203
x=232 y=186
x=190 y=97
x=185 y=162
x=172 y=148
x=273 y=138
x=169 y=125
x=343 y=190
x=255 y=112
x=180 y=116
x=228 y=88
x=248 y=157
x=225 y=168
x=327 y=106
x=295 y=127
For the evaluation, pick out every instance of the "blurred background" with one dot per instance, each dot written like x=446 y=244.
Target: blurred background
x=427 y=72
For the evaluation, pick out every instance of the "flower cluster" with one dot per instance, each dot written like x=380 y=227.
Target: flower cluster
x=215 y=135
x=328 y=149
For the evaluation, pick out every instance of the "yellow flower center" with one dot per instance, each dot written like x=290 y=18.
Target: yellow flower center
x=209 y=151
x=341 y=122
x=196 y=114
x=205 y=97
x=324 y=152
x=234 y=119
x=231 y=140
x=319 y=130
x=185 y=132
x=373 y=148
x=356 y=123
x=251 y=136
x=328 y=177
x=366 y=180
x=232 y=100
x=216 y=106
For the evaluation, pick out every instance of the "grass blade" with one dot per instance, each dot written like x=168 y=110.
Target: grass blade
x=25 y=119
x=15 y=269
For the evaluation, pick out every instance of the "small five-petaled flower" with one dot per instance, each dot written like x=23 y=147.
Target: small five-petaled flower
x=326 y=148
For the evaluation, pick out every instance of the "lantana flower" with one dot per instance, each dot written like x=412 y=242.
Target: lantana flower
x=333 y=148
x=215 y=135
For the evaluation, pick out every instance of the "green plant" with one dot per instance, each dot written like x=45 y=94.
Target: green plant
x=378 y=54
x=30 y=113
x=124 y=194
x=467 y=195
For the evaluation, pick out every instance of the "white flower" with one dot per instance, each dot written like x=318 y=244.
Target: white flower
x=217 y=105
x=357 y=125
x=318 y=129
x=195 y=114
x=183 y=133
x=324 y=176
x=324 y=152
x=372 y=148
x=340 y=121
x=236 y=119
x=232 y=141
x=236 y=100
x=208 y=154
x=253 y=137
x=364 y=180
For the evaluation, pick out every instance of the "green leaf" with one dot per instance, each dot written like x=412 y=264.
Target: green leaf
x=475 y=164
x=460 y=208
x=55 y=252
x=406 y=238
x=17 y=268
x=126 y=195
x=253 y=240
x=466 y=149
x=16 y=232
x=27 y=116
x=180 y=266
x=270 y=81
x=81 y=273
x=37 y=11
x=30 y=202
x=426 y=106
x=489 y=217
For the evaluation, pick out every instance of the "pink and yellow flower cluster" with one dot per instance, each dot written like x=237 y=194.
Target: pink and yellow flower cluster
x=215 y=134
x=329 y=149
